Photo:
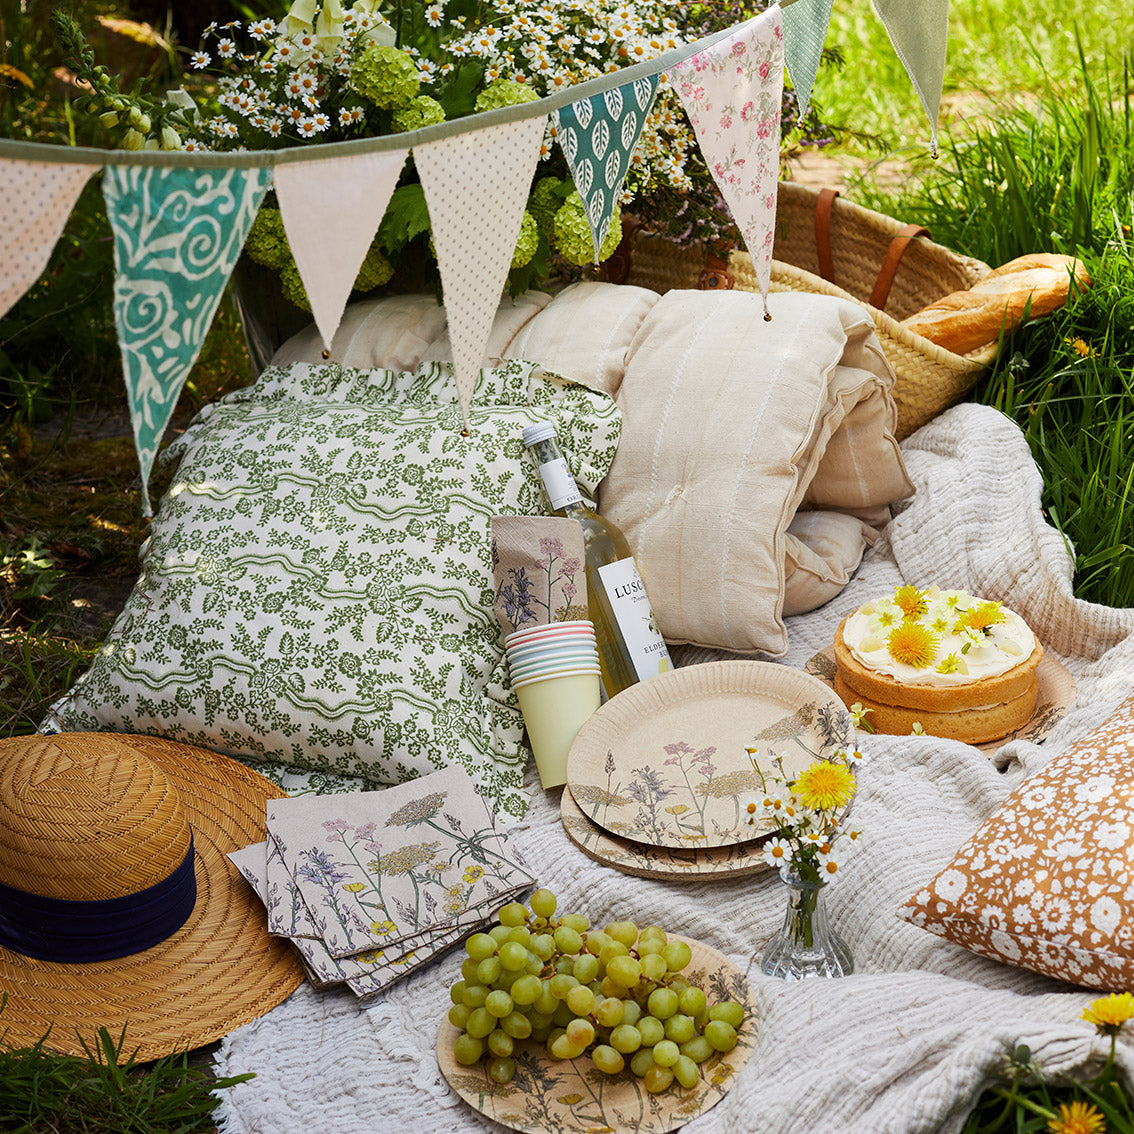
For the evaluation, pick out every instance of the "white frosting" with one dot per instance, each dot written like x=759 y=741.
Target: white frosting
x=979 y=654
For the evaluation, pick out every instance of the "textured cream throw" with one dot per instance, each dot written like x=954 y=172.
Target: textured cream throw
x=905 y=1044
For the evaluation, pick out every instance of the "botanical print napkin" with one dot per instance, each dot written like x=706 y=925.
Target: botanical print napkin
x=537 y=567
x=378 y=869
x=366 y=973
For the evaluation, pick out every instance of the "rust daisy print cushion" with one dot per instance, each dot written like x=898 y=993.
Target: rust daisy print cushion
x=1048 y=882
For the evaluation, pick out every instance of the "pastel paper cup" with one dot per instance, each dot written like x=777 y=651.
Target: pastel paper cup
x=550 y=630
x=553 y=667
x=555 y=707
x=568 y=649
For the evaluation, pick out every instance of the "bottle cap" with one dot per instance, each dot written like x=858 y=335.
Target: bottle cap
x=538 y=431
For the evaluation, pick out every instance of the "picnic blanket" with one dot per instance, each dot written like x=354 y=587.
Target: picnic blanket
x=905 y=1044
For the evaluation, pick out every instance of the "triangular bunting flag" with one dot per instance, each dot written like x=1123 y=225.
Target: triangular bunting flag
x=476 y=186
x=919 y=31
x=598 y=136
x=731 y=92
x=805 y=31
x=177 y=235
x=36 y=198
x=331 y=210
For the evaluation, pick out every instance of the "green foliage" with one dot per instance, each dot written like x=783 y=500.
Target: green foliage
x=1057 y=179
x=1028 y=1104
x=105 y=1091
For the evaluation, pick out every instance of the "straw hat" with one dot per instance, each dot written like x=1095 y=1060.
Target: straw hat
x=141 y=826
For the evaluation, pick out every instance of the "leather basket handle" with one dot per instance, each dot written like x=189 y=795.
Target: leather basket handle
x=889 y=267
x=823 y=233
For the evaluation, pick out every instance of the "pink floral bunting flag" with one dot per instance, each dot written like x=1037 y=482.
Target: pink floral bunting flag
x=476 y=186
x=331 y=210
x=731 y=92
x=36 y=198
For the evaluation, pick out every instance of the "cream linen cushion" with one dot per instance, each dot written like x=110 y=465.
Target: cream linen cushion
x=585 y=332
x=822 y=551
x=730 y=424
x=398 y=332
x=1048 y=882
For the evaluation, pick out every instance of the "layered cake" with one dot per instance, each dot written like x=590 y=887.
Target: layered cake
x=959 y=666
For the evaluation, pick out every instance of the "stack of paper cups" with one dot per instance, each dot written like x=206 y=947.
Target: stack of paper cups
x=555 y=672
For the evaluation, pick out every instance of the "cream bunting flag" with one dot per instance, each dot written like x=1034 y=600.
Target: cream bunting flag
x=731 y=92
x=476 y=186
x=919 y=31
x=36 y=198
x=331 y=210
x=805 y=31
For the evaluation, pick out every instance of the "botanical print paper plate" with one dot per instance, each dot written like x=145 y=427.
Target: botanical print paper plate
x=666 y=762
x=571 y=1097
x=1056 y=695
x=656 y=862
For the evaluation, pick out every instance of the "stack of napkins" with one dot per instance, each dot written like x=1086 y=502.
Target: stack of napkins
x=370 y=886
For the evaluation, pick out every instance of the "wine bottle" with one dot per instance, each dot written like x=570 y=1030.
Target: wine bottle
x=630 y=645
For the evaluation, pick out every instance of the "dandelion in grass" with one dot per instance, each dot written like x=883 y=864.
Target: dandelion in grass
x=825 y=786
x=1109 y=1013
x=1077 y=1117
x=912 y=644
x=1082 y=348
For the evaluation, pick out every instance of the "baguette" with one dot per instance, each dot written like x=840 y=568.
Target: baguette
x=965 y=320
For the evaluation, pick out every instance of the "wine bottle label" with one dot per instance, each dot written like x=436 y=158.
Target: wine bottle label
x=559 y=483
x=631 y=606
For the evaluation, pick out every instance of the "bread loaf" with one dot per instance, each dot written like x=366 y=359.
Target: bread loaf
x=965 y=320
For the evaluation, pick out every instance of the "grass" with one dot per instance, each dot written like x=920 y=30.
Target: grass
x=1057 y=179
x=105 y=1091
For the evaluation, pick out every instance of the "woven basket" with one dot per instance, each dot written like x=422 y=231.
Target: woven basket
x=827 y=245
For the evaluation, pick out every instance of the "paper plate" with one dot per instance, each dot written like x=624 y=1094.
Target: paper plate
x=1056 y=696
x=665 y=762
x=657 y=862
x=572 y=1097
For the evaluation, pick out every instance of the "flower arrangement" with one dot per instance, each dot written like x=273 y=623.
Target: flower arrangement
x=1028 y=1102
x=808 y=813
x=333 y=70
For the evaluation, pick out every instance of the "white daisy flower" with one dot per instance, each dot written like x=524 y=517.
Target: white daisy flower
x=226 y=48
x=777 y=852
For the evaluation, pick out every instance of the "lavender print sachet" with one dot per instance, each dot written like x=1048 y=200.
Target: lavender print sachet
x=538 y=570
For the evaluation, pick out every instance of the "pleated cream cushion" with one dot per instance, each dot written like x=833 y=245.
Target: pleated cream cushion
x=730 y=424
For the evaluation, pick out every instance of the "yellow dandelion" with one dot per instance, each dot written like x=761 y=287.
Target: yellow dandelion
x=912 y=644
x=824 y=786
x=1077 y=1118
x=910 y=601
x=1109 y=1013
x=980 y=617
x=1082 y=348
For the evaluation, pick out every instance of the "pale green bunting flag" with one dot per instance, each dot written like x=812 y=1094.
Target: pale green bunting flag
x=919 y=31
x=805 y=31
x=177 y=235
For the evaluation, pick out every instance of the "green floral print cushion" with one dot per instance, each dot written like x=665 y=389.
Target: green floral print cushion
x=316 y=589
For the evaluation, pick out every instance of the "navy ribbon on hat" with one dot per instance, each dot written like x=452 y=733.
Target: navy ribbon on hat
x=62 y=929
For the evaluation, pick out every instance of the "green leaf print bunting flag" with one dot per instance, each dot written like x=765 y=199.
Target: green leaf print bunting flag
x=598 y=136
x=177 y=235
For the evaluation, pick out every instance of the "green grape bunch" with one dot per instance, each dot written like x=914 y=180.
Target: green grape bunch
x=616 y=995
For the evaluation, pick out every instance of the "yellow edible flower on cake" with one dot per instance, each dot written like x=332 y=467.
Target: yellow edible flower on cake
x=980 y=617
x=912 y=602
x=952 y=663
x=912 y=644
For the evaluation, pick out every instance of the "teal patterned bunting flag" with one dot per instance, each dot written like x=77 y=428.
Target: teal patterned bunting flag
x=598 y=136
x=805 y=30
x=177 y=235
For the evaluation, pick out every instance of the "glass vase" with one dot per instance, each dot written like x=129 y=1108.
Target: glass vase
x=805 y=945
